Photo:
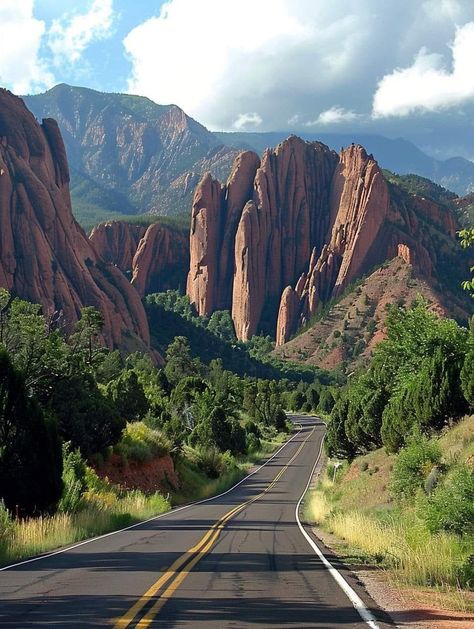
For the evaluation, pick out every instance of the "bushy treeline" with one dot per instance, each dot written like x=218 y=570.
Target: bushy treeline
x=421 y=377
x=171 y=314
x=58 y=388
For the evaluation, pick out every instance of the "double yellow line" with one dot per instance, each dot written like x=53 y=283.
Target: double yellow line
x=180 y=568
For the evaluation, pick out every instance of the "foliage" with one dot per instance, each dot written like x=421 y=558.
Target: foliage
x=451 y=506
x=467 y=240
x=85 y=416
x=412 y=382
x=139 y=442
x=413 y=464
x=171 y=314
x=467 y=371
x=30 y=452
x=127 y=396
x=74 y=480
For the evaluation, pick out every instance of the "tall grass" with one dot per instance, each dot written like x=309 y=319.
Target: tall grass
x=103 y=512
x=401 y=542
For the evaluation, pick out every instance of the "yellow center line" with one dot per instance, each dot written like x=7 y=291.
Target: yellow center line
x=189 y=559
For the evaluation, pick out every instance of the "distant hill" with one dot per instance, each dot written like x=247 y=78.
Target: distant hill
x=398 y=155
x=127 y=154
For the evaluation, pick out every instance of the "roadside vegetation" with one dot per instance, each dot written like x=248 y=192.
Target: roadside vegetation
x=399 y=484
x=68 y=406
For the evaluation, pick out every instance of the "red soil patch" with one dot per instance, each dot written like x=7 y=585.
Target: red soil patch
x=149 y=476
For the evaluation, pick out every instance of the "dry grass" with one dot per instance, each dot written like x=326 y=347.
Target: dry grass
x=103 y=512
x=401 y=543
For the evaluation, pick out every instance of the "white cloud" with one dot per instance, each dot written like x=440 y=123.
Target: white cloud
x=244 y=121
x=21 y=69
x=333 y=115
x=428 y=85
x=219 y=58
x=184 y=56
x=72 y=33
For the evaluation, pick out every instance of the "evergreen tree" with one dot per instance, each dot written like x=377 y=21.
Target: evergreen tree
x=30 y=451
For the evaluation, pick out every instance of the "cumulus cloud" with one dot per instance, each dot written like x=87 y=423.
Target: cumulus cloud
x=244 y=121
x=333 y=115
x=21 y=68
x=72 y=33
x=217 y=59
x=427 y=84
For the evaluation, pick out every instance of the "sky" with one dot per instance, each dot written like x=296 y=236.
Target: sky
x=402 y=68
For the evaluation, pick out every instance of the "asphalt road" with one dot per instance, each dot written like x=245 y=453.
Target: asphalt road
x=239 y=560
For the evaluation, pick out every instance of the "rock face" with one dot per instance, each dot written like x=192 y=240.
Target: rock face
x=161 y=260
x=155 y=258
x=133 y=155
x=304 y=224
x=45 y=257
x=117 y=242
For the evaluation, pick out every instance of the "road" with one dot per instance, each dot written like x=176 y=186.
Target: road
x=238 y=560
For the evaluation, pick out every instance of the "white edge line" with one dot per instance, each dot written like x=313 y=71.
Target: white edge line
x=156 y=517
x=355 y=599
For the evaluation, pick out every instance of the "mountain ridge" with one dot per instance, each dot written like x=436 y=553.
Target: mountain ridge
x=148 y=155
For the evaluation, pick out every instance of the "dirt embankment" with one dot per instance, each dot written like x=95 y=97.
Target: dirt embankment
x=158 y=474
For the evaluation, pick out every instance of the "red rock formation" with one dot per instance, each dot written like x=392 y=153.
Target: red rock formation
x=306 y=219
x=156 y=257
x=287 y=314
x=161 y=260
x=117 y=242
x=206 y=227
x=45 y=256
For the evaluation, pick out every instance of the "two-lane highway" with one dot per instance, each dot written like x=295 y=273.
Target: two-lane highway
x=237 y=560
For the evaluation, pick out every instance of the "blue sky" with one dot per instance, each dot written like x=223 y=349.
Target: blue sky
x=104 y=63
x=396 y=67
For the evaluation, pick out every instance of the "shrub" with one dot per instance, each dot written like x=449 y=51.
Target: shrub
x=253 y=443
x=209 y=460
x=74 y=480
x=413 y=464
x=252 y=428
x=326 y=401
x=141 y=443
x=451 y=505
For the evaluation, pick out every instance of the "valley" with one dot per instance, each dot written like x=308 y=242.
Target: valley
x=218 y=349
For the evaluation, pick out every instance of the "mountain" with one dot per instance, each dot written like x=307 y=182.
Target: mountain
x=45 y=256
x=398 y=155
x=288 y=233
x=128 y=154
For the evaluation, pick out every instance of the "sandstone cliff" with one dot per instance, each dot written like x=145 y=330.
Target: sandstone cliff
x=304 y=225
x=117 y=242
x=155 y=258
x=45 y=256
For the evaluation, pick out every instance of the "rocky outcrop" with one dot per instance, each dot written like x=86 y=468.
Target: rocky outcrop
x=117 y=242
x=157 y=474
x=161 y=260
x=154 y=258
x=305 y=224
x=45 y=257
